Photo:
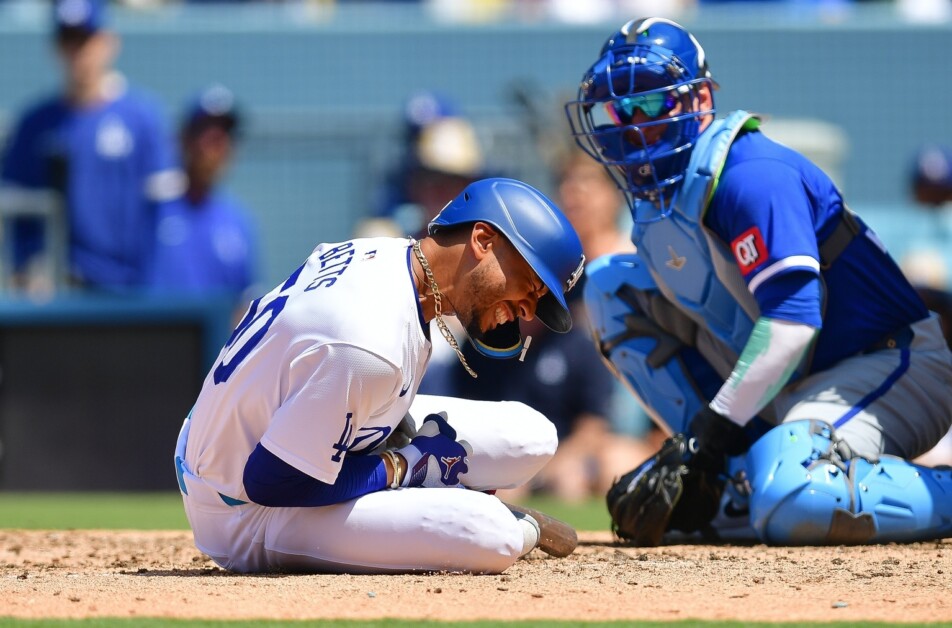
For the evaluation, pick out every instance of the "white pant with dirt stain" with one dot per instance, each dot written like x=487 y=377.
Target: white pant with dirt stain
x=403 y=530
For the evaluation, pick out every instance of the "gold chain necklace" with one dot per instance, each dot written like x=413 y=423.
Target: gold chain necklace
x=438 y=306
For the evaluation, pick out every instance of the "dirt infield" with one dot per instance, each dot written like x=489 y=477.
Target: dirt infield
x=161 y=574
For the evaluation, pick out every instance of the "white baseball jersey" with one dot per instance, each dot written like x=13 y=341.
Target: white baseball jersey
x=326 y=363
x=316 y=368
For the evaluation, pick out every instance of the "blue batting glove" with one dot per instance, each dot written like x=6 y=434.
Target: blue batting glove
x=434 y=457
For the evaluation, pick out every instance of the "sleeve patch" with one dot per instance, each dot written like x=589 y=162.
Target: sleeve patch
x=749 y=250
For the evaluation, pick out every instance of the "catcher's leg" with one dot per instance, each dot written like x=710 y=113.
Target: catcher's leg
x=666 y=373
x=808 y=489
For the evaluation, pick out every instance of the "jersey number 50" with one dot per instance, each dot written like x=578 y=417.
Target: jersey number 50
x=252 y=329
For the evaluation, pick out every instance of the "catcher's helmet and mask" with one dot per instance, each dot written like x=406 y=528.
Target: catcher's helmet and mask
x=655 y=67
x=539 y=232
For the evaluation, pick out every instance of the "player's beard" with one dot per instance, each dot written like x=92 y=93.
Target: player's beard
x=485 y=291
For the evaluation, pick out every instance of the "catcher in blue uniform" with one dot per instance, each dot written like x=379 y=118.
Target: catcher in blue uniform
x=761 y=321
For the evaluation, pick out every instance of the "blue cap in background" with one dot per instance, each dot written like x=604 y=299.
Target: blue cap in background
x=423 y=108
x=79 y=16
x=933 y=166
x=215 y=104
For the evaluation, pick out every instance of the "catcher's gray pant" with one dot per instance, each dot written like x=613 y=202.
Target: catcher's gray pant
x=893 y=401
x=409 y=529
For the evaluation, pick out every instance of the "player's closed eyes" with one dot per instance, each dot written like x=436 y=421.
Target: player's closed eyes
x=653 y=104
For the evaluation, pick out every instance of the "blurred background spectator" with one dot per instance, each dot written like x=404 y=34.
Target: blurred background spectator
x=420 y=110
x=927 y=260
x=102 y=147
x=206 y=240
x=440 y=156
x=593 y=204
x=927 y=255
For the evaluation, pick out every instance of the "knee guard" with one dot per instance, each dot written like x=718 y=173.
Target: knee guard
x=669 y=376
x=808 y=489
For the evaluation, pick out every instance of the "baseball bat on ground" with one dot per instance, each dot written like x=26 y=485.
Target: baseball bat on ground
x=556 y=538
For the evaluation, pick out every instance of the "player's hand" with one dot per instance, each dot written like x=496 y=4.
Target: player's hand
x=715 y=438
x=434 y=457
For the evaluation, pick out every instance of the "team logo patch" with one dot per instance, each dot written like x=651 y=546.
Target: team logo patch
x=449 y=462
x=749 y=250
x=576 y=275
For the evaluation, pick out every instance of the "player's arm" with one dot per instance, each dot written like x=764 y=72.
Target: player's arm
x=302 y=458
x=761 y=210
x=270 y=481
x=780 y=339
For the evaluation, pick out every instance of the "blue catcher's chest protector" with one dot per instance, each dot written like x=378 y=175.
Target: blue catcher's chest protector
x=691 y=267
x=650 y=341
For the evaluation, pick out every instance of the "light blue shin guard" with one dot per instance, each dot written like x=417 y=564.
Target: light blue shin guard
x=807 y=489
x=661 y=370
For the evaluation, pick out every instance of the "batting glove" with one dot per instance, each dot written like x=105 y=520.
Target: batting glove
x=434 y=457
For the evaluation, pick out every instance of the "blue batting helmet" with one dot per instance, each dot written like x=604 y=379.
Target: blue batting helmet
x=535 y=227
x=655 y=67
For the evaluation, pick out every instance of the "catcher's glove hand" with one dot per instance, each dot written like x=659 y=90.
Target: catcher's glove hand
x=663 y=493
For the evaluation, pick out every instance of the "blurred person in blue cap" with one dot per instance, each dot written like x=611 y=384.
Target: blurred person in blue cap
x=206 y=240
x=104 y=147
x=932 y=175
x=441 y=155
x=927 y=256
x=420 y=110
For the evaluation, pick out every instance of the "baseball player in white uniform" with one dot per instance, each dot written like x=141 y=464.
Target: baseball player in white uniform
x=291 y=459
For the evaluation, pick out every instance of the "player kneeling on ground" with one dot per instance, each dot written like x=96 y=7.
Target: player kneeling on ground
x=760 y=321
x=308 y=449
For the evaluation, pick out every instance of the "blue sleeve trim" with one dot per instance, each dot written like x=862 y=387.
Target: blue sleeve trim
x=792 y=296
x=270 y=481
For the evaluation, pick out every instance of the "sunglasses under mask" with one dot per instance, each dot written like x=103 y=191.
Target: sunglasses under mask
x=653 y=104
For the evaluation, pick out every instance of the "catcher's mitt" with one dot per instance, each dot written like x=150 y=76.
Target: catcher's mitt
x=663 y=493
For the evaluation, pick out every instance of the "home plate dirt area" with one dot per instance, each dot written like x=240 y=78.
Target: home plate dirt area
x=91 y=573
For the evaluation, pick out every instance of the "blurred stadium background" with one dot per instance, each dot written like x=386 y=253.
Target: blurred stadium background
x=92 y=392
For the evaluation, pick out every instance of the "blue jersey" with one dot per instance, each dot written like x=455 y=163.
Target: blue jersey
x=772 y=208
x=209 y=247
x=113 y=162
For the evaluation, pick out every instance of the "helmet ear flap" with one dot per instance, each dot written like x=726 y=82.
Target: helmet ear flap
x=502 y=342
